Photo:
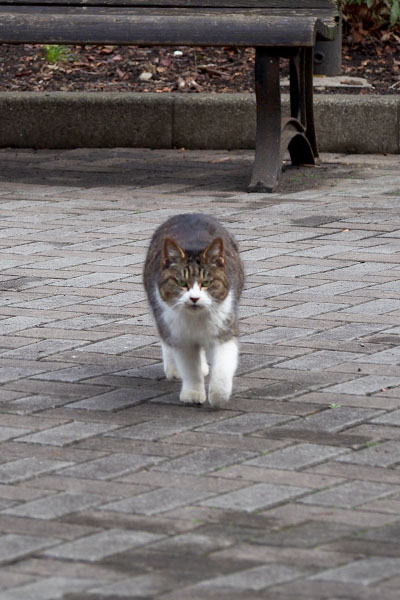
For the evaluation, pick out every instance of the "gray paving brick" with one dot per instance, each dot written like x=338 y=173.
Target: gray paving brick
x=116 y=400
x=349 y=495
x=375 y=307
x=204 y=461
x=160 y=428
x=78 y=373
x=364 y=572
x=309 y=309
x=9 y=433
x=316 y=361
x=255 y=579
x=349 y=332
x=156 y=501
x=120 y=344
x=270 y=290
x=141 y=586
x=297 y=271
x=256 y=497
x=13 y=547
x=370 y=384
x=35 y=403
x=299 y=456
x=247 y=423
x=52 y=507
x=67 y=434
x=92 y=279
x=13 y=324
x=51 y=588
x=43 y=349
x=306 y=535
x=391 y=356
x=384 y=455
x=277 y=334
x=110 y=467
x=101 y=545
x=52 y=302
x=26 y=468
x=8 y=373
x=334 y=419
x=392 y=418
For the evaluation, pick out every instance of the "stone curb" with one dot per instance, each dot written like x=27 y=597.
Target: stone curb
x=345 y=123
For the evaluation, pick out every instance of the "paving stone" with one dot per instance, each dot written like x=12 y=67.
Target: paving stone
x=35 y=403
x=52 y=507
x=364 y=572
x=119 y=344
x=305 y=535
x=115 y=400
x=51 y=588
x=392 y=419
x=255 y=579
x=96 y=547
x=43 y=349
x=160 y=428
x=352 y=331
x=349 y=495
x=109 y=467
x=370 y=384
x=309 y=309
x=277 y=334
x=157 y=501
x=26 y=468
x=247 y=423
x=13 y=547
x=67 y=434
x=316 y=361
x=376 y=307
x=141 y=586
x=204 y=461
x=391 y=356
x=384 y=455
x=255 y=497
x=299 y=456
x=333 y=420
x=8 y=433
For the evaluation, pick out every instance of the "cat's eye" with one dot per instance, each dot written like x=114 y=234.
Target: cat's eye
x=206 y=283
x=181 y=283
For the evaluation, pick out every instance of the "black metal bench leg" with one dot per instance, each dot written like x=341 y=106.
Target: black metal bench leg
x=267 y=163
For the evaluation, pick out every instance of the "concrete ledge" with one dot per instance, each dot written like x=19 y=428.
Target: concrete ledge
x=345 y=123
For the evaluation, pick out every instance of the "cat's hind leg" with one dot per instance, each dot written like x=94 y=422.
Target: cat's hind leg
x=170 y=369
x=223 y=366
x=189 y=364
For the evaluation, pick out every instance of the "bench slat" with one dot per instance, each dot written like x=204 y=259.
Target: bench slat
x=283 y=4
x=199 y=29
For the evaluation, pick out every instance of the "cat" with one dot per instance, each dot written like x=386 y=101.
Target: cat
x=193 y=277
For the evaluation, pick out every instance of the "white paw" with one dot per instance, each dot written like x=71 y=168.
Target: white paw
x=219 y=396
x=171 y=372
x=189 y=396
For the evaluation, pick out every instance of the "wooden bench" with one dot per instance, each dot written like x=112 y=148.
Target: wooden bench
x=286 y=28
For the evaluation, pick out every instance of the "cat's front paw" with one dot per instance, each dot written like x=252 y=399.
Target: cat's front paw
x=189 y=396
x=219 y=396
x=171 y=372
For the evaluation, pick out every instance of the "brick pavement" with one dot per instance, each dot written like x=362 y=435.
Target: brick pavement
x=111 y=489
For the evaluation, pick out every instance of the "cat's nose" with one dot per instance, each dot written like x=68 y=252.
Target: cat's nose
x=194 y=299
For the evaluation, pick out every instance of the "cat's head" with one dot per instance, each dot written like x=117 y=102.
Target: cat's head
x=193 y=280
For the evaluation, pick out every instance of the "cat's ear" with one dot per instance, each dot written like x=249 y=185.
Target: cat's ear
x=214 y=253
x=171 y=253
